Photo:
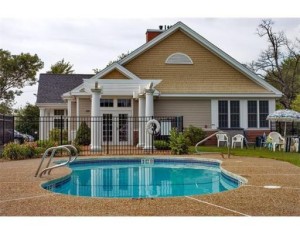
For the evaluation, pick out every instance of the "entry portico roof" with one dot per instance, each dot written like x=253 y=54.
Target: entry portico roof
x=116 y=87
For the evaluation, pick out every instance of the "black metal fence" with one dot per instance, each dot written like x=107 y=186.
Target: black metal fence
x=6 y=130
x=105 y=135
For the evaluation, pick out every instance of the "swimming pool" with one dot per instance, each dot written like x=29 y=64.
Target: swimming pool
x=144 y=178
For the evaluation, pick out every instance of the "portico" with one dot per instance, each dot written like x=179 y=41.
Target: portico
x=112 y=98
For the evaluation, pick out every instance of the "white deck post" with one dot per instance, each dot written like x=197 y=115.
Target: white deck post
x=69 y=119
x=141 y=121
x=95 y=121
x=149 y=112
x=42 y=123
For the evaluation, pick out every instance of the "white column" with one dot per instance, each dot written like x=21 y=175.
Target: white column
x=78 y=112
x=214 y=114
x=149 y=112
x=69 y=119
x=42 y=123
x=95 y=121
x=141 y=121
x=244 y=114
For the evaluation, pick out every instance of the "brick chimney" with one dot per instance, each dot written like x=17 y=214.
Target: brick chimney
x=152 y=33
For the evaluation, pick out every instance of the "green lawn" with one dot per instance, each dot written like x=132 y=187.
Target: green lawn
x=293 y=158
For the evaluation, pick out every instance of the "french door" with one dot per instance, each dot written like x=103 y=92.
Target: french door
x=116 y=129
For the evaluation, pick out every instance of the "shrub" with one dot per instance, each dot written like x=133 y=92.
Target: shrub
x=46 y=144
x=15 y=151
x=83 y=135
x=194 y=135
x=178 y=143
x=161 y=145
x=55 y=135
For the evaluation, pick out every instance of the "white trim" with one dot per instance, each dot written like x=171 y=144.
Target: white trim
x=214 y=114
x=185 y=56
x=118 y=67
x=120 y=87
x=244 y=114
x=221 y=95
x=52 y=105
x=211 y=47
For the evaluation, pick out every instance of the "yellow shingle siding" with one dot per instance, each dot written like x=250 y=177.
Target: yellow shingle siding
x=207 y=74
x=115 y=74
x=195 y=112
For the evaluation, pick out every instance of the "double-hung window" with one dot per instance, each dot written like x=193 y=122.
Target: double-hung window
x=257 y=114
x=229 y=114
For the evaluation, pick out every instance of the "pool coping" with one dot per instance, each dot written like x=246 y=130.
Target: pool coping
x=21 y=194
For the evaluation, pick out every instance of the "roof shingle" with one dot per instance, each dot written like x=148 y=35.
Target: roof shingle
x=53 y=86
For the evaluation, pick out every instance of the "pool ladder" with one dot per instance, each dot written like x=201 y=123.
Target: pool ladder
x=53 y=150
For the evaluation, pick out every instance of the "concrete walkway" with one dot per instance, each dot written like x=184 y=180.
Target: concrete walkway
x=21 y=194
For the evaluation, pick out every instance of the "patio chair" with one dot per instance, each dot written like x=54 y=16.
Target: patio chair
x=294 y=145
x=222 y=137
x=237 y=139
x=276 y=140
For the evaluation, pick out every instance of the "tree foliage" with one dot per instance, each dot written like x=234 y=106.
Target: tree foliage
x=61 y=67
x=296 y=104
x=6 y=107
x=120 y=57
x=16 y=71
x=279 y=63
x=27 y=120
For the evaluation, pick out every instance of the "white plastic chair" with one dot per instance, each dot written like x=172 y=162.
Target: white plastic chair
x=294 y=145
x=222 y=137
x=238 y=139
x=276 y=140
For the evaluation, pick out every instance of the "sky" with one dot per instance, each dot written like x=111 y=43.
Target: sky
x=92 y=43
x=90 y=33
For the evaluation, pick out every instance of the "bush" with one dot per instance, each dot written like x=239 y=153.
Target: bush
x=161 y=145
x=15 y=151
x=46 y=144
x=178 y=142
x=194 y=135
x=55 y=135
x=83 y=135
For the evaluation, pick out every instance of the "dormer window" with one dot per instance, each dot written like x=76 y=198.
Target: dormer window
x=179 y=58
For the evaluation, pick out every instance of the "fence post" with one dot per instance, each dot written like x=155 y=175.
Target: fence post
x=3 y=132
x=61 y=130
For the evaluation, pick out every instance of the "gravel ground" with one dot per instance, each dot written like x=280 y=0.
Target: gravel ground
x=21 y=194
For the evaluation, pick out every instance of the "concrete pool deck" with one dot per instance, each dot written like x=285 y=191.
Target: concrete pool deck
x=21 y=194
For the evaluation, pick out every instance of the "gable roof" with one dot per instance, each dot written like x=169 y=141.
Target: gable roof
x=208 y=45
x=53 y=86
x=118 y=67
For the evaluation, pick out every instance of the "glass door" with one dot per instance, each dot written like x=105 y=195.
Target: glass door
x=107 y=129
x=123 y=133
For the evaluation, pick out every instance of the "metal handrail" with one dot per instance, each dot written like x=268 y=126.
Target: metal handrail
x=54 y=149
x=207 y=138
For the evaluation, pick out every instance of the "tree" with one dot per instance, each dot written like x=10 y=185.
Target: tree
x=279 y=63
x=61 y=67
x=296 y=104
x=96 y=70
x=27 y=120
x=6 y=108
x=16 y=71
x=121 y=56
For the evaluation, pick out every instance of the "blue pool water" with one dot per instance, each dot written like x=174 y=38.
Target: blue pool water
x=143 y=178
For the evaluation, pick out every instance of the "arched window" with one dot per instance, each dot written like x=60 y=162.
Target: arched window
x=179 y=58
